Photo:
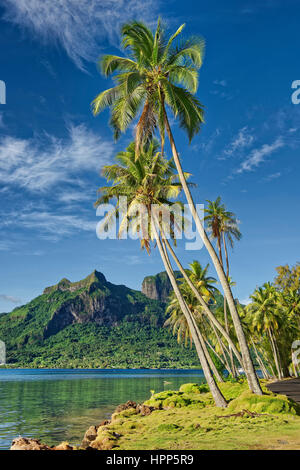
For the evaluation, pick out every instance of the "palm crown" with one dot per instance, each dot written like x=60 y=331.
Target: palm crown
x=155 y=73
x=201 y=280
x=147 y=181
x=222 y=223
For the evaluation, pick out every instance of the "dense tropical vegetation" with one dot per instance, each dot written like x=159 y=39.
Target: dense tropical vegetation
x=273 y=322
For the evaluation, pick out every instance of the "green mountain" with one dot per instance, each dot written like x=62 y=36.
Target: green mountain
x=158 y=287
x=92 y=323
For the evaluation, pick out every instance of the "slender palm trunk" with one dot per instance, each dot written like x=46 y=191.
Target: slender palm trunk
x=197 y=329
x=247 y=361
x=203 y=304
x=216 y=393
x=234 y=374
x=278 y=353
x=223 y=354
x=210 y=360
x=260 y=361
x=274 y=353
x=267 y=362
x=221 y=358
x=220 y=250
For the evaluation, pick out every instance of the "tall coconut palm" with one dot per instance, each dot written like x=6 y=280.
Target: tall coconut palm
x=197 y=284
x=265 y=318
x=223 y=227
x=207 y=289
x=177 y=321
x=155 y=75
x=206 y=308
x=148 y=181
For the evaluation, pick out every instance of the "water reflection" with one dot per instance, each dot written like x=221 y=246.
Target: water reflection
x=60 y=405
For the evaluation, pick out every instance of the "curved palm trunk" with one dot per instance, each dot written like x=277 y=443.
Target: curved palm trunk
x=260 y=361
x=216 y=393
x=247 y=361
x=197 y=329
x=221 y=358
x=203 y=304
x=225 y=360
x=209 y=359
x=234 y=374
x=270 y=372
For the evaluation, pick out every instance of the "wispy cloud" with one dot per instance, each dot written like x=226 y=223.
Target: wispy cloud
x=79 y=26
x=220 y=82
x=273 y=176
x=9 y=298
x=40 y=163
x=2 y=125
x=55 y=224
x=52 y=224
x=241 y=141
x=5 y=246
x=221 y=90
x=258 y=155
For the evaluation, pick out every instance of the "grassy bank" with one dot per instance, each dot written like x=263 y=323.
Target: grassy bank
x=187 y=419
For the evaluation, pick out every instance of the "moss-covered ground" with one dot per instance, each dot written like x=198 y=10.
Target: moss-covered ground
x=187 y=419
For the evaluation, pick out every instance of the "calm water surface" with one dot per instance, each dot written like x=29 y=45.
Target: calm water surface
x=55 y=405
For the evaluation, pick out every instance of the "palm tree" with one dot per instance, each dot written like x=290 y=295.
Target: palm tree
x=179 y=325
x=157 y=74
x=265 y=318
x=203 y=282
x=205 y=287
x=151 y=180
x=223 y=226
x=215 y=323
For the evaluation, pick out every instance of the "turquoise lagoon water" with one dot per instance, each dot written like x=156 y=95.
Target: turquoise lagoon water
x=60 y=404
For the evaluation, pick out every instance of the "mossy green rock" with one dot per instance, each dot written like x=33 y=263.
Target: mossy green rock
x=194 y=388
x=176 y=399
x=270 y=404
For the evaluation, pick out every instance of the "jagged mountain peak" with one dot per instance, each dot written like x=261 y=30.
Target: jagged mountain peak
x=66 y=285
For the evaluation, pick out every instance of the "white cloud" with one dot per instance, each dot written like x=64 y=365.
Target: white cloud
x=258 y=155
x=54 y=224
x=71 y=197
x=220 y=82
x=78 y=25
x=246 y=301
x=5 y=246
x=9 y=298
x=241 y=141
x=273 y=176
x=40 y=163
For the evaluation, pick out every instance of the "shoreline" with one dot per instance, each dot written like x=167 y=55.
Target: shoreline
x=187 y=419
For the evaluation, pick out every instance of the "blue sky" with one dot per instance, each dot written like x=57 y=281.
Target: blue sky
x=52 y=148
